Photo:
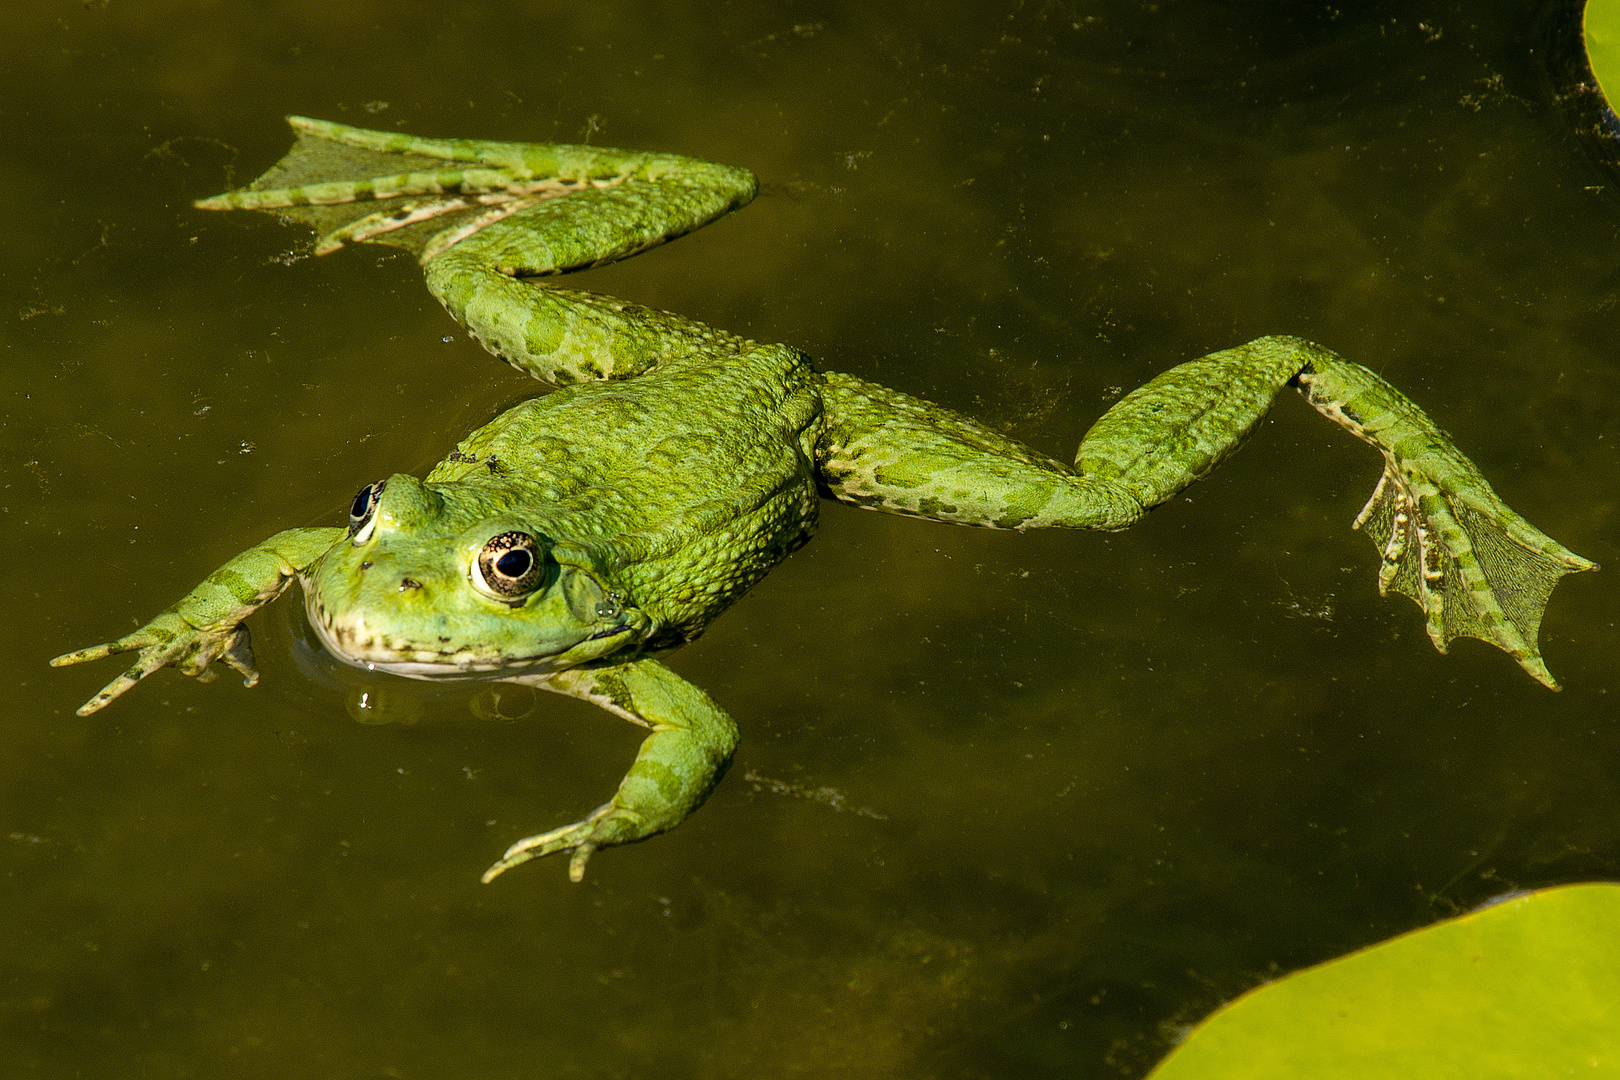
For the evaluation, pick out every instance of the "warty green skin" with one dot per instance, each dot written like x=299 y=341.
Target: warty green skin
x=676 y=464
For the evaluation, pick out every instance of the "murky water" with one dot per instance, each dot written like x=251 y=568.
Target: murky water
x=1005 y=805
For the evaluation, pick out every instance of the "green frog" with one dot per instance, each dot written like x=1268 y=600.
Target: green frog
x=577 y=538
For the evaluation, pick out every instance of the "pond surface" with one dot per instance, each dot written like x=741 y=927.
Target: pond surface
x=1005 y=805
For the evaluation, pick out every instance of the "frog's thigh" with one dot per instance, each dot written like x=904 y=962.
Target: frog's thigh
x=884 y=450
x=888 y=451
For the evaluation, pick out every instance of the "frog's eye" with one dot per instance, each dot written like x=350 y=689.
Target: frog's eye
x=363 y=512
x=508 y=567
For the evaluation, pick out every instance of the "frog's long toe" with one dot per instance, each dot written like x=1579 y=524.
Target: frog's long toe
x=115 y=689
x=384 y=221
x=153 y=645
x=608 y=824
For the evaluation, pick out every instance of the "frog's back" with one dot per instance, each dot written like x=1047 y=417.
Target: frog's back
x=692 y=480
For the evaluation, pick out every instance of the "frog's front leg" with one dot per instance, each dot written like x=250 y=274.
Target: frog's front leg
x=1448 y=541
x=206 y=625
x=679 y=763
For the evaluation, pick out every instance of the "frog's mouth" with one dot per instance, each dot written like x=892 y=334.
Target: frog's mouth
x=351 y=640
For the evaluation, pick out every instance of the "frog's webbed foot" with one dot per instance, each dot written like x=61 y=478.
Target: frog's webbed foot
x=1476 y=568
x=607 y=825
x=435 y=193
x=485 y=218
x=334 y=176
x=168 y=640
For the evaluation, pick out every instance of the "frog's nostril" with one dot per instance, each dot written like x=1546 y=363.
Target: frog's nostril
x=409 y=583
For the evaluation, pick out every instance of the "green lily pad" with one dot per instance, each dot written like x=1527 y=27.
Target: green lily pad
x=1529 y=987
x=1602 y=26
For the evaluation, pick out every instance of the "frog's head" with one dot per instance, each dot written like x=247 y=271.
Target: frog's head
x=445 y=581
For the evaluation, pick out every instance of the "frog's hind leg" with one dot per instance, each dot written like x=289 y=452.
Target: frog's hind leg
x=485 y=218
x=485 y=277
x=1475 y=567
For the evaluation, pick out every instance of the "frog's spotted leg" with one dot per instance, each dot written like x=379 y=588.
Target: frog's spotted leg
x=206 y=625
x=506 y=213
x=679 y=763
x=1476 y=568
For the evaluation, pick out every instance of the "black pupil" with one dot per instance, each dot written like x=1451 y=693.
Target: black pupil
x=362 y=503
x=515 y=563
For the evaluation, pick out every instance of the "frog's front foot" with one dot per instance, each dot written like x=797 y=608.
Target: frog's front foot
x=169 y=639
x=608 y=824
x=206 y=624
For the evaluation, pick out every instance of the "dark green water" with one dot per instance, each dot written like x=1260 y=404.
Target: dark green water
x=1005 y=805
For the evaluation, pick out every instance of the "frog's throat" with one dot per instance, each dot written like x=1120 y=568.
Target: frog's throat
x=352 y=642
